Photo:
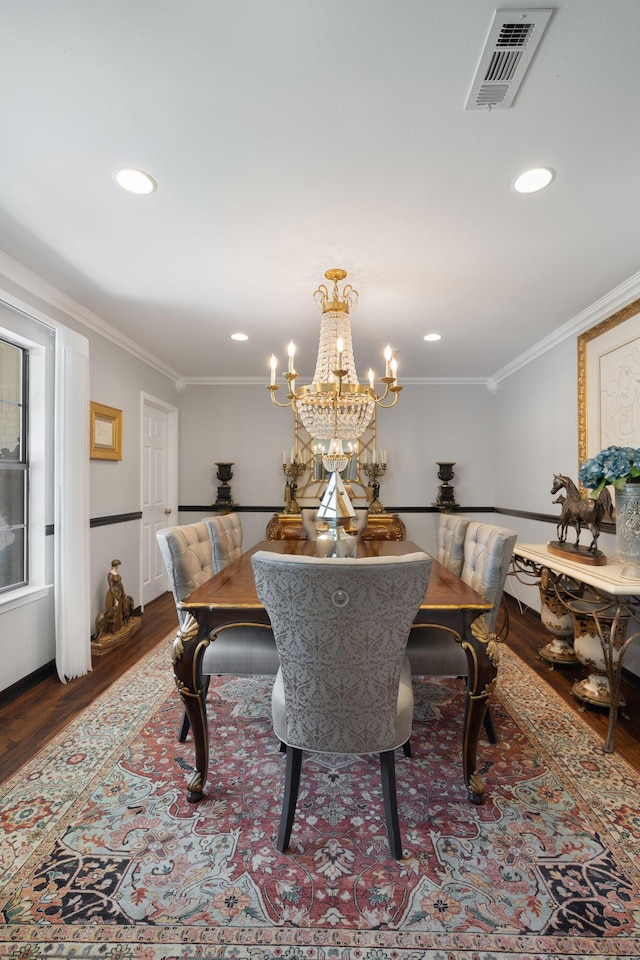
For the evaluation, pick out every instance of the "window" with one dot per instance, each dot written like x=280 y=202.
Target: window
x=14 y=467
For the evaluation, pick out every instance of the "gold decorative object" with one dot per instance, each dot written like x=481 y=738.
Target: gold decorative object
x=292 y=471
x=608 y=351
x=335 y=406
x=374 y=471
x=116 y=623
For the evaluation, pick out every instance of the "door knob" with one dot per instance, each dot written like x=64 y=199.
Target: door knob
x=167 y=511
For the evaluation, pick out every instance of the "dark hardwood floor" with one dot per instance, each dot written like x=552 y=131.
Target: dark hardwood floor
x=31 y=720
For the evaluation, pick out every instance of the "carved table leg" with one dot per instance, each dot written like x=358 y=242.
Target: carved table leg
x=481 y=648
x=188 y=648
x=614 y=644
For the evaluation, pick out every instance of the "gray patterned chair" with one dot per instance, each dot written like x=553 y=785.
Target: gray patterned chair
x=435 y=650
x=344 y=684
x=192 y=554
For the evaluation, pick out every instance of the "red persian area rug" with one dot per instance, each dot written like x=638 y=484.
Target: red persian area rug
x=102 y=856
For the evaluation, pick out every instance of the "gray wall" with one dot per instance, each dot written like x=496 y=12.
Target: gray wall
x=429 y=423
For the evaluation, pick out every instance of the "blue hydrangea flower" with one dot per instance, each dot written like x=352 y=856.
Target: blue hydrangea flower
x=616 y=465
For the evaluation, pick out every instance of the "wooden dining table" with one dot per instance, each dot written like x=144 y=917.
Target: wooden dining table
x=230 y=597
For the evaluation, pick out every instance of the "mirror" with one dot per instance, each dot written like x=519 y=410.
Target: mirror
x=309 y=451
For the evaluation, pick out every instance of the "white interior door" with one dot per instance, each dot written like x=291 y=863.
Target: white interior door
x=159 y=491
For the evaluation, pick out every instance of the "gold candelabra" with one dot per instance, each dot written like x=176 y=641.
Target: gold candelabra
x=292 y=471
x=374 y=471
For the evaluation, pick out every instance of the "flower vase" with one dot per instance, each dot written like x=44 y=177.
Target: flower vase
x=628 y=529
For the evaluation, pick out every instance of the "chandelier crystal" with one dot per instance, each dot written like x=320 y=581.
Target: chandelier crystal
x=335 y=406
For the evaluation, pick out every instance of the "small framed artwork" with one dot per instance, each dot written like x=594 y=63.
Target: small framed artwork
x=105 y=432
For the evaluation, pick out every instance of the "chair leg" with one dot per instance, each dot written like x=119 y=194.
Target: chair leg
x=185 y=725
x=489 y=727
x=406 y=748
x=292 y=782
x=388 y=776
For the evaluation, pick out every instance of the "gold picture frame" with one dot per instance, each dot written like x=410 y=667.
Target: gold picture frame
x=105 y=432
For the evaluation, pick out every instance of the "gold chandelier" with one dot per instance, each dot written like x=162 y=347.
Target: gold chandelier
x=335 y=406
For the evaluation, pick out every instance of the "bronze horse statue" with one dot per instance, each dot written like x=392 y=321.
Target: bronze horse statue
x=579 y=512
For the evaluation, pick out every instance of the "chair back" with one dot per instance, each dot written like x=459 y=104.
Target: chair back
x=187 y=556
x=487 y=555
x=308 y=516
x=450 y=534
x=225 y=533
x=341 y=627
x=362 y=519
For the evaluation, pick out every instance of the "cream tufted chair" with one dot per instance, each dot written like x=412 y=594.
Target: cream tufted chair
x=344 y=684
x=187 y=556
x=362 y=519
x=450 y=534
x=308 y=516
x=192 y=554
x=226 y=539
x=434 y=650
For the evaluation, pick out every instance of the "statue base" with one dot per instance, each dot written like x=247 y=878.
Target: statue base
x=110 y=640
x=593 y=558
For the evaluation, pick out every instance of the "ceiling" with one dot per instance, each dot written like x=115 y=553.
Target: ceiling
x=291 y=136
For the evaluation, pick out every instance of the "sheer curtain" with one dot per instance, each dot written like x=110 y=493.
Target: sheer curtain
x=71 y=511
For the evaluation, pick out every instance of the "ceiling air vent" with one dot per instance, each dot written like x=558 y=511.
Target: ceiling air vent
x=511 y=44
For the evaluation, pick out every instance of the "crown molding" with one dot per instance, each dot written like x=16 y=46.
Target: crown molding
x=618 y=298
x=45 y=291
x=35 y=285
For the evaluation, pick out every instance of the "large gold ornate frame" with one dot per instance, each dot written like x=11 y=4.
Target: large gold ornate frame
x=591 y=347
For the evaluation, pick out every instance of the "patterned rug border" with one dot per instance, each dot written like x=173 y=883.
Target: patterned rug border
x=543 y=715
x=550 y=731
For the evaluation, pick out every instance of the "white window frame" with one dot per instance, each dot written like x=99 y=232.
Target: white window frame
x=36 y=586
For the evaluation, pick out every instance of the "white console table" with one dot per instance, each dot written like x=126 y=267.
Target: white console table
x=608 y=582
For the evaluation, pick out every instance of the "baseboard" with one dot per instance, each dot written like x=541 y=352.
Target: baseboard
x=26 y=683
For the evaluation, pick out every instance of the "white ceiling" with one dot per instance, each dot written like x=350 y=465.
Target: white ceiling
x=291 y=136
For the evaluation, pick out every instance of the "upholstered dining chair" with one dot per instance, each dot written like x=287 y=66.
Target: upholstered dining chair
x=450 y=534
x=225 y=533
x=344 y=683
x=308 y=516
x=186 y=551
x=192 y=554
x=362 y=519
x=436 y=650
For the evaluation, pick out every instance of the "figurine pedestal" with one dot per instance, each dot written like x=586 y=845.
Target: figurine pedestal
x=110 y=640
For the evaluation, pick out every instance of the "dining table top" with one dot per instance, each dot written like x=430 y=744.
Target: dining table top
x=233 y=588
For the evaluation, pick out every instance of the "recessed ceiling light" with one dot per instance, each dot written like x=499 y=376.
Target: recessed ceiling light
x=239 y=336
x=533 y=180
x=433 y=336
x=135 y=181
